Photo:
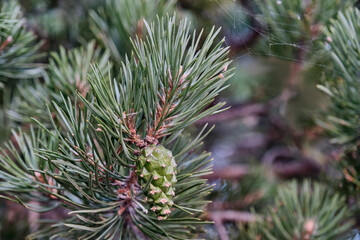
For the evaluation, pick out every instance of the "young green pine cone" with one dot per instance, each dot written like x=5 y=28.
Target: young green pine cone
x=158 y=162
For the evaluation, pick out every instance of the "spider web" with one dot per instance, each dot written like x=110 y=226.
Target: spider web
x=237 y=17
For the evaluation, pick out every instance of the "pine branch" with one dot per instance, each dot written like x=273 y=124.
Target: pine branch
x=293 y=25
x=341 y=118
x=18 y=47
x=117 y=21
x=99 y=147
x=306 y=211
x=342 y=44
x=21 y=173
x=67 y=73
x=236 y=216
x=179 y=83
x=60 y=22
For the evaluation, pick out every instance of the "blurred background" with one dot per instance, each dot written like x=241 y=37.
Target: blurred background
x=268 y=135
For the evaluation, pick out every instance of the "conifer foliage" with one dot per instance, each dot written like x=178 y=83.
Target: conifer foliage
x=102 y=135
x=304 y=211
x=341 y=120
x=116 y=22
x=18 y=47
x=116 y=158
x=301 y=23
x=67 y=72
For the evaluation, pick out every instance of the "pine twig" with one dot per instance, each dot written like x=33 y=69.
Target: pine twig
x=219 y=217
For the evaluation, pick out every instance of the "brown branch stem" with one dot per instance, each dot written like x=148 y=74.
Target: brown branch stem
x=219 y=217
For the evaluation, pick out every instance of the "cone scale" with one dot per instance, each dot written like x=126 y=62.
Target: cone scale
x=158 y=162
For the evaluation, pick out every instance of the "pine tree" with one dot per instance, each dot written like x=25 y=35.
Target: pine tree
x=341 y=119
x=18 y=46
x=308 y=211
x=117 y=158
x=67 y=73
x=103 y=130
x=301 y=25
x=295 y=213
x=115 y=23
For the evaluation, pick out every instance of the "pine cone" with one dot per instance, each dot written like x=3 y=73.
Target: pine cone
x=158 y=162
